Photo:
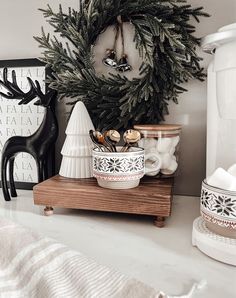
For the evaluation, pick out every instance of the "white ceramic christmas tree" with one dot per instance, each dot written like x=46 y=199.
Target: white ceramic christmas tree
x=77 y=149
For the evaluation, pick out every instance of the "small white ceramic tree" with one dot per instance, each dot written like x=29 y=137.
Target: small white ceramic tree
x=77 y=148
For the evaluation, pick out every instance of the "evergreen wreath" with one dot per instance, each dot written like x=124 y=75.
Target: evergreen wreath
x=164 y=38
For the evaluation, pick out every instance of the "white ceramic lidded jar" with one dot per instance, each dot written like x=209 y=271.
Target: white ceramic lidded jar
x=162 y=140
x=221 y=98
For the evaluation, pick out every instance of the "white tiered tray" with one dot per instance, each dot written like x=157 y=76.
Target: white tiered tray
x=215 y=246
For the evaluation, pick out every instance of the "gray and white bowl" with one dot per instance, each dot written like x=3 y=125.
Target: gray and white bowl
x=118 y=170
x=218 y=208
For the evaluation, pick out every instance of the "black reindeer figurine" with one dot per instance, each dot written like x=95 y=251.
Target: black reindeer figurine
x=38 y=144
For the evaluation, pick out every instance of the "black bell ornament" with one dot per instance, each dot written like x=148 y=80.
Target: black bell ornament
x=110 y=59
x=123 y=64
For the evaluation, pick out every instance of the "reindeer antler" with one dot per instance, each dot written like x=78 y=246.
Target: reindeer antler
x=44 y=99
x=14 y=91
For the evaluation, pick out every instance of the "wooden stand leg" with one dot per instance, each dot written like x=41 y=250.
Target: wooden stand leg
x=48 y=210
x=159 y=221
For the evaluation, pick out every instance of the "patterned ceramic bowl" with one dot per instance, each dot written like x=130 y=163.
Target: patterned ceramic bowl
x=118 y=170
x=218 y=207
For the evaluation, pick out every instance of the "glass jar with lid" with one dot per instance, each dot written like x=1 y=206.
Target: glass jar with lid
x=162 y=140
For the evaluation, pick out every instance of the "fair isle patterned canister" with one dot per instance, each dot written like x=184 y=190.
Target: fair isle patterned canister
x=118 y=170
x=218 y=206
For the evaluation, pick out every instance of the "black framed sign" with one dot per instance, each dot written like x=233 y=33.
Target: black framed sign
x=22 y=120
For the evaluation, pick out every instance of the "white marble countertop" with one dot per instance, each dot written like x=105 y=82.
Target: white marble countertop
x=163 y=258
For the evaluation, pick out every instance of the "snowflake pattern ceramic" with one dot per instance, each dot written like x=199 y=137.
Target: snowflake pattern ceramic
x=118 y=165
x=124 y=168
x=225 y=206
x=218 y=206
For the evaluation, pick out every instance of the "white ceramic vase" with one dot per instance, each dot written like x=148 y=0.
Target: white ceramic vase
x=77 y=148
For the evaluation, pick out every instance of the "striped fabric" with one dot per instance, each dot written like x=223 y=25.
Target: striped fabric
x=34 y=266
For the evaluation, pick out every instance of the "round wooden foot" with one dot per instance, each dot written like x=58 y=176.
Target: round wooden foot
x=48 y=211
x=159 y=221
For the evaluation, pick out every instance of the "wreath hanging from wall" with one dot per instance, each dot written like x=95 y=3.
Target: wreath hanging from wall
x=165 y=41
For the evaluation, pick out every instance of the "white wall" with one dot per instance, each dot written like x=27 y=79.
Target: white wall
x=20 y=20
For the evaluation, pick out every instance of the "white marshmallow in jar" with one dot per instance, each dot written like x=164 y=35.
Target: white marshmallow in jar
x=161 y=144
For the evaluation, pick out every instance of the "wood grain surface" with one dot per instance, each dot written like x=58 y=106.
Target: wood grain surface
x=151 y=197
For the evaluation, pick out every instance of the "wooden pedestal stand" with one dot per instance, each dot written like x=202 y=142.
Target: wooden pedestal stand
x=151 y=197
